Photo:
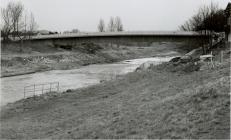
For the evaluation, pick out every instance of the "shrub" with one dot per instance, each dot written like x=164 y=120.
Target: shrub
x=90 y=47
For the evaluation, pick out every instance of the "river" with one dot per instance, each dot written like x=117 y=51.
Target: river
x=12 y=88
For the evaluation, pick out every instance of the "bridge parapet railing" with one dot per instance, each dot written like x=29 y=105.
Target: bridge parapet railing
x=38 y=89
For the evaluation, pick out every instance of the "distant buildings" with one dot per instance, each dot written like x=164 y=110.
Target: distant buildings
x=45 y=32
x=227 y=27
x=72 y=31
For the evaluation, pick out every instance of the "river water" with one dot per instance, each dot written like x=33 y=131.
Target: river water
x=12 y=88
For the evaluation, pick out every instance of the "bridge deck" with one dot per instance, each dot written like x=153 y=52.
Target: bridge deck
x=114 y=34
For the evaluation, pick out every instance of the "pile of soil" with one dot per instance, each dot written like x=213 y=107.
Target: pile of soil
x=179 y=66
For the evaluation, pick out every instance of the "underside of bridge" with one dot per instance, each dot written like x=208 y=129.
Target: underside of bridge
x=186 y=41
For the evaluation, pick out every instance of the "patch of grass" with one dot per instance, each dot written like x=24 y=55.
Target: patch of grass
x=204 y=94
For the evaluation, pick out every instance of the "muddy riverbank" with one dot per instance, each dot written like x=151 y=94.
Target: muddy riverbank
x=12 y=88
x=30 y=60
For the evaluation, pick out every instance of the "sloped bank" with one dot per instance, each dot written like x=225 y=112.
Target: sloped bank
x=162 y=102
x=32 y=59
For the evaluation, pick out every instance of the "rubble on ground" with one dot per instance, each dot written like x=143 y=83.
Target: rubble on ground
x=186 y=63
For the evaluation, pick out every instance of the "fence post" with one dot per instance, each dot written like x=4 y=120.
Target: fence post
x=34 y=90
x=50 y=87
x=212 y=59
x=58 y=87
x=221 y=56
x=42 y=88
x=24 y=92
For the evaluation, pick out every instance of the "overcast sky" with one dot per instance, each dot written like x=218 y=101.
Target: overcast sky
x=61 y=15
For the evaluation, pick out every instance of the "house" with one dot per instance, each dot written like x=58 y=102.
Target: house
x=45 y=32
x=227 y=27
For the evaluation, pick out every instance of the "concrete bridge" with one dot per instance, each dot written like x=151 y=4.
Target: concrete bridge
x=189 y=39
x=118 y=34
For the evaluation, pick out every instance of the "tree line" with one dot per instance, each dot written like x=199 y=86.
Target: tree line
x=208 y=19
x=114 y=25
x=17 y=24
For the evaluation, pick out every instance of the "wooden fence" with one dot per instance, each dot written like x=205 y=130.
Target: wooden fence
x=38 y=89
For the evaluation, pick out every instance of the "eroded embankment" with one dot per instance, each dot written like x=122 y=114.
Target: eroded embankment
x=165 y=101
x=18 y=60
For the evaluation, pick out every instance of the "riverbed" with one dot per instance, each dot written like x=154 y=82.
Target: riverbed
x=12 y=88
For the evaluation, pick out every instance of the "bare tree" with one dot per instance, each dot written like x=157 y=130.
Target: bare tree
x=186 y=26
x=15 y=22
x=118 y=24
x=11 y=17
x=111 y=25
x=207 y=19
x=101 y=26
x=16 y=9
x=30 y=26
x=7 y=25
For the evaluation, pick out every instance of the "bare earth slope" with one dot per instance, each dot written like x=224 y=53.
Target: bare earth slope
x=157 y=103
x=32 y=59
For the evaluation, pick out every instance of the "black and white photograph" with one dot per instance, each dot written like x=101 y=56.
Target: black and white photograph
x=115 y=69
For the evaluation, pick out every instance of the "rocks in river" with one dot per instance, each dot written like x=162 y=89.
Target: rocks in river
x=69 y=90
x=145 y=65
x=175 y=59
x=192 y=56
x=195 y=53
x=182 y=59
x=185 y=59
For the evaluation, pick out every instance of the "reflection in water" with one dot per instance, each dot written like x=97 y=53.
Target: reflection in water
x=13 y=87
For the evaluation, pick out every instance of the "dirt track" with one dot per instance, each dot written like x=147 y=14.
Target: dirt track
x=156 y=103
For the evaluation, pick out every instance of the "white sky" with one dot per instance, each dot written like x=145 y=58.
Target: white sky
x=61 y=15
